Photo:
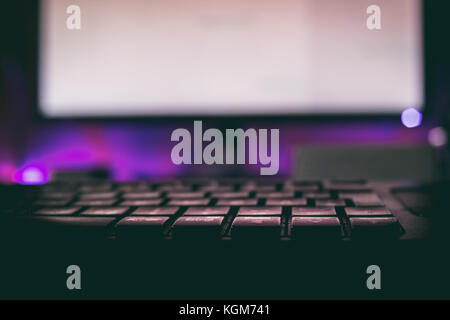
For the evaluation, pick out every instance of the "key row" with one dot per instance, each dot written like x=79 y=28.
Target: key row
x=209 y=185
x=207 y=228
x=209 y=211
x=358 y=201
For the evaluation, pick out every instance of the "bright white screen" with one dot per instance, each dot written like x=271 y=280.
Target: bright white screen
x=192 y=57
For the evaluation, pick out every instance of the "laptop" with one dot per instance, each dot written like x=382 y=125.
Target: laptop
x=266 y=126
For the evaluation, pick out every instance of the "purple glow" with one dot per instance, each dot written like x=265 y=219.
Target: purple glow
x=134 y=151
x=437 y=137
x=31 y=175
x=6 y=173
x=411 y=118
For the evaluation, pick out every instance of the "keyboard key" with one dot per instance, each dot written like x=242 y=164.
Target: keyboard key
x=185 y=195
x=316 y=195
x=237 y=202
x=330 y=203
x=98 y=195
x=315 y=227
x=207 y=211
x=141 y=203
x=147 y=222
x=258 y=188
x=53 y=188
x=367 y=212
x=256 y=228
x=141 y=195
x=260 y=211
x=96 y=188
x=313 y=211
x=198 y=228
x=198 y=181
x=65 y=211
x=155 y=211
x=217 y=189
x=275 y=195
x=57 y=195
x=134 y=187
x=168 y=183
x=286 y=202
x=95 y=203
x=358 y=186
x=362 y=199
x=71 y=228
x=230 y=195
x=189 y=202
x=51 y=203
x=292 y=186
x=374 y=228
x=173 y=188
x=76 y=222
x=141 y=228
x=112 y=211
x=193 y=222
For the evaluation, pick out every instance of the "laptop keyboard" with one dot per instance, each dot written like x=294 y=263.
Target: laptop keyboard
x=228 y=209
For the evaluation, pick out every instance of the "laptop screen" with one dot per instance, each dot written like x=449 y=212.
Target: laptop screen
x=107 y=58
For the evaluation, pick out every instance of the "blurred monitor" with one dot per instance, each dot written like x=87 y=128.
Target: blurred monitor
x=233 y=57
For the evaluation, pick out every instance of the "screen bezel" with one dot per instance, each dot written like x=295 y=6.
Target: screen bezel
x=283 y=117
